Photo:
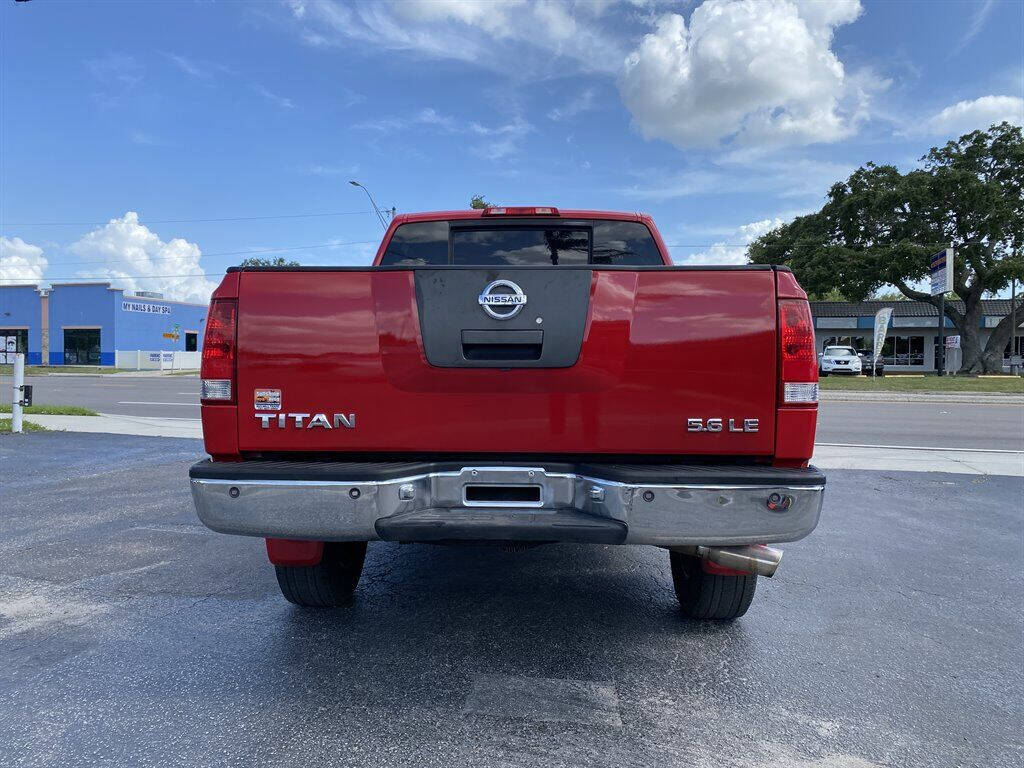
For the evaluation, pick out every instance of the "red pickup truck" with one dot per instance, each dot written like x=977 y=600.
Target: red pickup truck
x=522 y=375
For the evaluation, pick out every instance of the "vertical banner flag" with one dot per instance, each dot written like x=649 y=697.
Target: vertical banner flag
x=882 y=318
x=940 y=269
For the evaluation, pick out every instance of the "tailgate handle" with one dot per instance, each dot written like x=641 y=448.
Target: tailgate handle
x=502 y=345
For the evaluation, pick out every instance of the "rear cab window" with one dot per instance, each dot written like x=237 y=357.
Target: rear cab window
x=522 y=243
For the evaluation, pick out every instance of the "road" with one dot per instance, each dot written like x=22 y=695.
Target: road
x=940 y=425
x=132 y=636
x=164 y=396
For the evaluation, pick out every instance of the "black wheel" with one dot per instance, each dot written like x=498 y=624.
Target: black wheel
x=704 y=595
x=822 y=374
x=329 y=583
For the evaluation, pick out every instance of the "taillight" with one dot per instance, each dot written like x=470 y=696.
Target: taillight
x=217 y=372
x=798 y=365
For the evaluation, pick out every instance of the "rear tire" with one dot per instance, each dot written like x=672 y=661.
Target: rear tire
x=329 y=583
x=704 y=595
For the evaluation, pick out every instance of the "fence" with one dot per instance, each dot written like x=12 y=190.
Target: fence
x=148 y=360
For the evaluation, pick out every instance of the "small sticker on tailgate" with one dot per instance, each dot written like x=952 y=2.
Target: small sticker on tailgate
x=267 y=399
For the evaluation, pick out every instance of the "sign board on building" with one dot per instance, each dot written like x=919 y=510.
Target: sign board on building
x=8 y=348
x=150 y=309
x=836 y=322
x=919 y=322
x=940 y=271
x=952 y=342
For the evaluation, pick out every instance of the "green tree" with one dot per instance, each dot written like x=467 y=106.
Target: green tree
x=880 y=226
x=477 y=202
x=278 y=261
x=888 y=296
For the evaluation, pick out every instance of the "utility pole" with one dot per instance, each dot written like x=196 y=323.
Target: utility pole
x=17 y=393
x=1014 y=367
x=942 y=335
x=945 y=259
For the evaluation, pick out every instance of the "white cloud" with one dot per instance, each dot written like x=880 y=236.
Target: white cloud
x=20 y=262
x=658 y=185
x=500 y=141
x=978 y=21
x=789 y=175
x=492 y=141
x=584 y=102
x=746 y=72
x=116 y=70
x=137 y=259
x=199 y=69
x=514 y=36
x=147 y=139
x=331 y=170
x=977 y=114
x=733 y=250
x=188 y=66
x=280 y=101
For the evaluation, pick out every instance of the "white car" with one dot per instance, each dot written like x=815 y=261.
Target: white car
x=839 y=360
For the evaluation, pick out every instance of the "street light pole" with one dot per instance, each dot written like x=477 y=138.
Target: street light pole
x=376 y=210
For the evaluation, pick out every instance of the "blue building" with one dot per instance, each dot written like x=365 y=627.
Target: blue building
x=89 y=323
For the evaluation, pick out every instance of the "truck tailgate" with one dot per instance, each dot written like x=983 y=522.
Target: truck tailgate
x=598 y=361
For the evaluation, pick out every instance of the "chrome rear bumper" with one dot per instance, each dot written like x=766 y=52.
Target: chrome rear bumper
x=722 y=506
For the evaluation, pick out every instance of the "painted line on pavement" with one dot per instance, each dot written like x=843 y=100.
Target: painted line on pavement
x=920 y=448
x=158 y=418
x=139 y=402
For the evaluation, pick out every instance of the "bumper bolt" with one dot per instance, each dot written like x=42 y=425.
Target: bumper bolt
x=648 y=496
x=406 y=492
x=596 y=493
x=233 y=492
x=354 y=493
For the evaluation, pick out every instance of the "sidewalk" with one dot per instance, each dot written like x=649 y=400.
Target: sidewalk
x=124 y=374
x=826 y=455
x=121 y=425
x=900 y=459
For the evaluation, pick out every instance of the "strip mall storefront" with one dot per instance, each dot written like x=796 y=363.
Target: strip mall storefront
x=912 y=342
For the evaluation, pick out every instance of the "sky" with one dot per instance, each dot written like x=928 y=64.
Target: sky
x=154 y=144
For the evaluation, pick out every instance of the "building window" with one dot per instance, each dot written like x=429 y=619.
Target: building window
x=903 y=350
x=191 y=341
x=21 y=334
x=859 y=343
x=82 y=346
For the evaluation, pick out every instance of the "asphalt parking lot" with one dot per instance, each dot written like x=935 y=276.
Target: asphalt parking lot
x=131 y=635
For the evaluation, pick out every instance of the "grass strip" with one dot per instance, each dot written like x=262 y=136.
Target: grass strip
x=54 y=410
x=1013 y=385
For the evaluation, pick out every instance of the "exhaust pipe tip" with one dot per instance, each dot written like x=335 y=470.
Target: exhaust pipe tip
x=758 y=559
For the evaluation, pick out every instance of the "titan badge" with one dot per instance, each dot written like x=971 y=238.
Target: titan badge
x=299 y=420
x=722 y=425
